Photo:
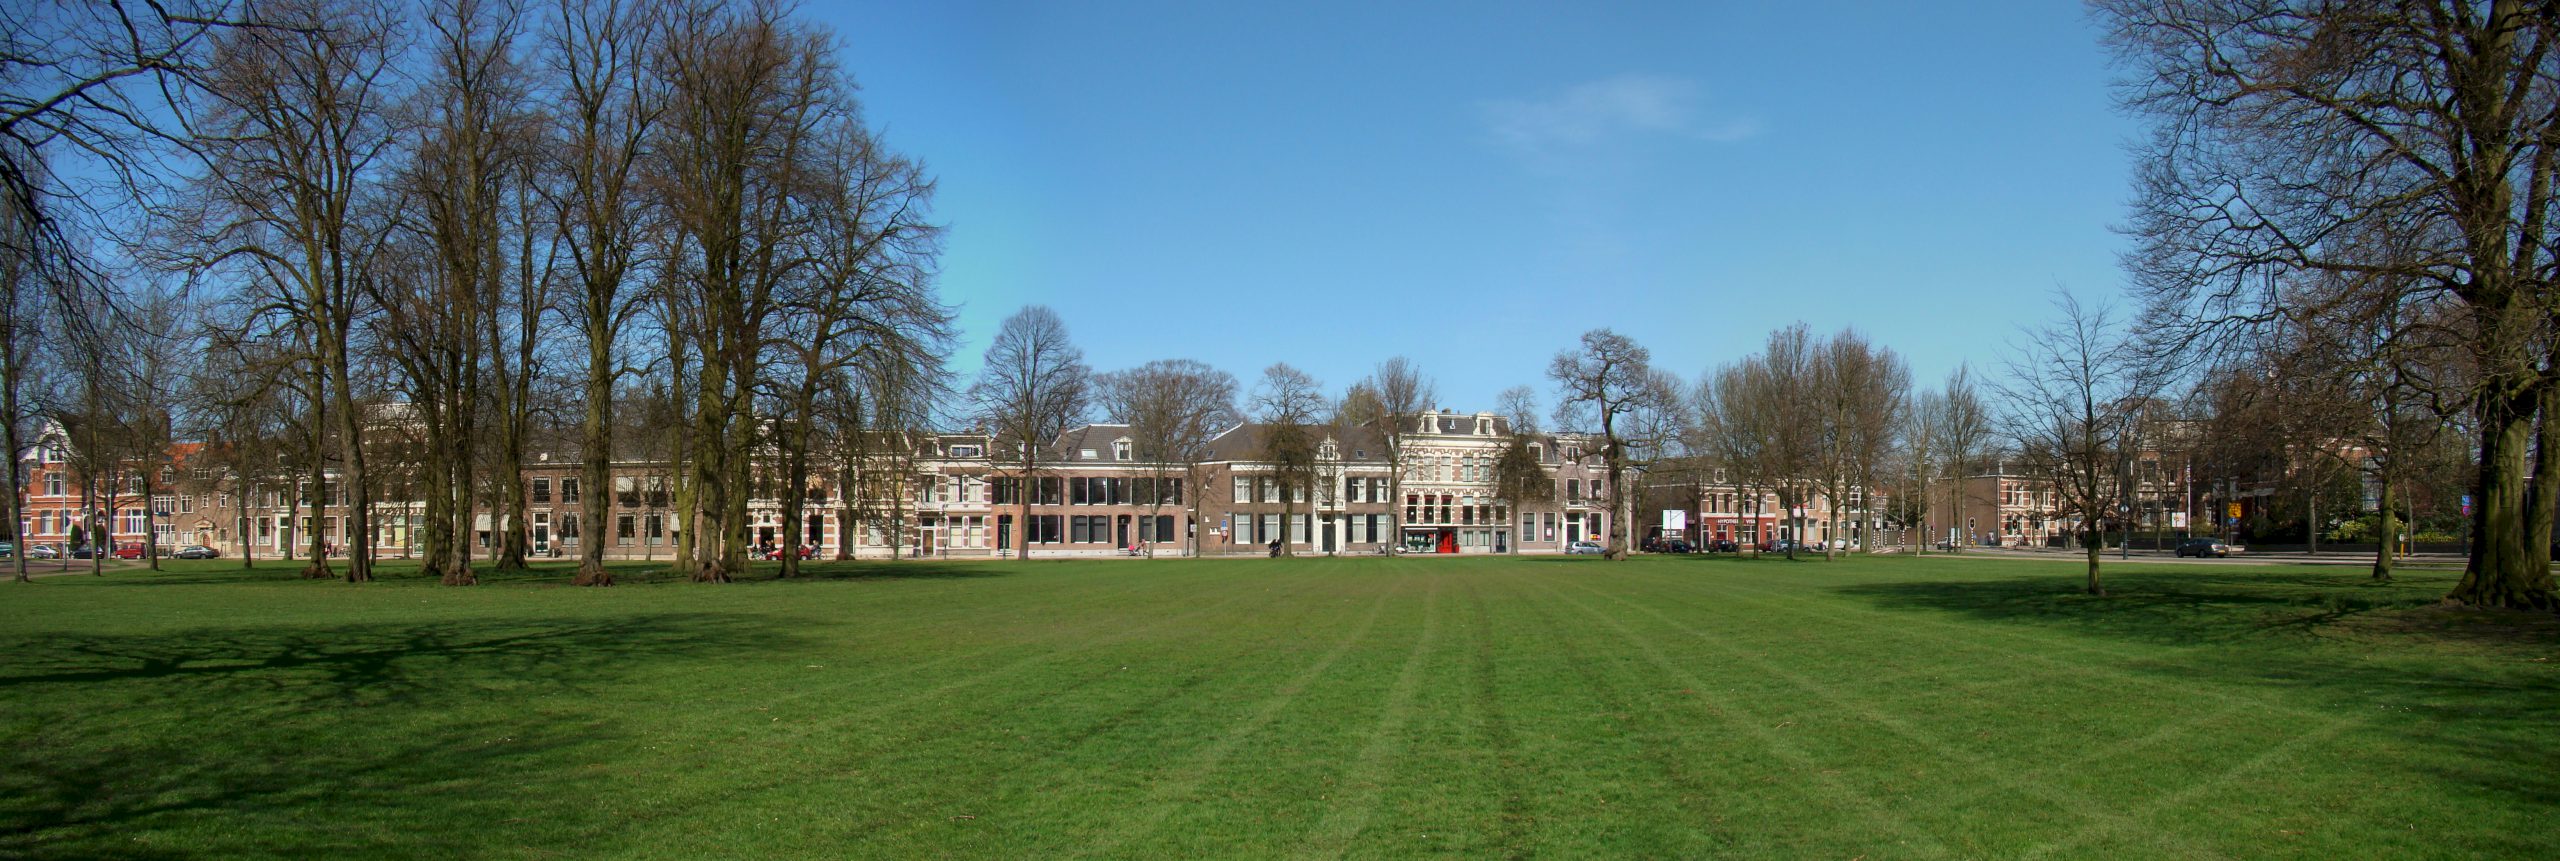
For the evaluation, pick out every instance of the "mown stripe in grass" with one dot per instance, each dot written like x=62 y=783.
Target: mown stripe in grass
x=1873 y=811
x=1366 y=775
x=1942 y=752
x=1185 y=779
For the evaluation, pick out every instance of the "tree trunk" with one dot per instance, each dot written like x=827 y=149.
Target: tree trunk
x=2389 y=534
x=358 y=522
x=2091 y=541
x=2544 y=506
x=1288 y=512
x=1027 y=489
x=795 y=490
x=2501 y=573
x=595 y=462
x=9 y=445
x=150 y=520
x=318 y=569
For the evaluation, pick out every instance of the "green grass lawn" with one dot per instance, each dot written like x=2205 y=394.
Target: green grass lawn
x=1478 y=708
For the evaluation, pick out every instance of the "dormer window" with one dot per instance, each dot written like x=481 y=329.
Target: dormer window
x=1120 y=450
x=1484 y=427
x=964 y=451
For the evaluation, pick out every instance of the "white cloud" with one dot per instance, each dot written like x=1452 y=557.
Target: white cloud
x=1607 y=111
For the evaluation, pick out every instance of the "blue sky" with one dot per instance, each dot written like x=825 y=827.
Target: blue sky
x=1474 y=185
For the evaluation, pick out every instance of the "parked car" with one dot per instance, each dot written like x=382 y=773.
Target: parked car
x=8 y=549
x=1678 y=547
x=1585 y=548
x=86 y=551
x=130 y=550
x=2203 y=547
x=1724 y=546
x=44 y=551
x=196 y=551
x=776 y=553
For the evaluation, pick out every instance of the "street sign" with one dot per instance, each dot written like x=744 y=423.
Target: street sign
x=2232 y=511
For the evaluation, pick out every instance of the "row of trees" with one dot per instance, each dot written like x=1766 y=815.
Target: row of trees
x=366 y=227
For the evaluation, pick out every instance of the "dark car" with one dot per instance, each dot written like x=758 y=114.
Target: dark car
x=86 y=552
x=196 y=551
x=2203 y=547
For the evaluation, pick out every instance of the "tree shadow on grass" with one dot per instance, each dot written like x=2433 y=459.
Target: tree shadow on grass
x=549 y=572
x=2464 y=695
x=400 y=740
x=2176 y=606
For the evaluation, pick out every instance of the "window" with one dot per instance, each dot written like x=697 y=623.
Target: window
x=624 y=527
x=53 y=484
x=569 y=491
x=1243 y=491
x=542 y=491
x=1270 y=489
x=1120 y=450
x=965 y=451
x=186 y=505
x=569 y=530
x=1086 y=454
x=1573 y=490
x=657 y=530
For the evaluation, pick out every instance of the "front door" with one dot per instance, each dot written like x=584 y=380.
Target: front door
x=1123 y=531
x=1328 y=535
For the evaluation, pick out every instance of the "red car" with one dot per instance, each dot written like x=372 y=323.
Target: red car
x=129 y=551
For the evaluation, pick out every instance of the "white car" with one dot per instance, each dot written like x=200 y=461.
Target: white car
x=1579 y=548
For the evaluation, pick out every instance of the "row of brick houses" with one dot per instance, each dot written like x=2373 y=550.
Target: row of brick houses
x=1094 y=496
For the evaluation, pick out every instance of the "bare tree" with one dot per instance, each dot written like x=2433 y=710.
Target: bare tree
x=750 y=96
x=1033 y=386
x=1393 y=398
x=1963 y=433
x=2404 y=147
x=292 y=146
x=595 y=57
x=1860 y=402
x=1599 y=387
x=1520 y=480
x=1289 y=404
x=866 y=303
x=1173 y=408
x=2071 y=391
